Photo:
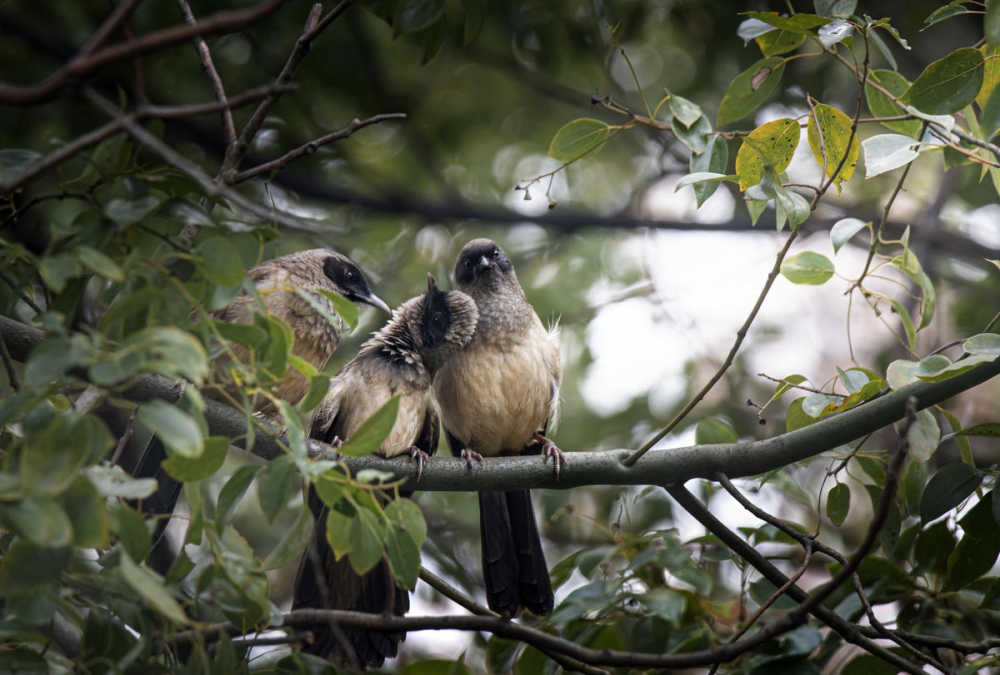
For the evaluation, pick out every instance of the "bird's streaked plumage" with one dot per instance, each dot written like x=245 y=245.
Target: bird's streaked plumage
x=401 y=358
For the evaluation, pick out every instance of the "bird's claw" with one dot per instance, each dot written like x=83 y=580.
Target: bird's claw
x=419 y=456
x=336 y=442
x=468 y=454
x=549 y=449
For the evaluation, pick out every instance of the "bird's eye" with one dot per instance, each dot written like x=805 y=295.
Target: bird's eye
x=496 y=254
x=350 y=275
x=438 y=318
x=468 y=263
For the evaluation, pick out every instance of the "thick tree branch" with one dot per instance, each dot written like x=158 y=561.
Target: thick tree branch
x=27 y=94
x=658 y=467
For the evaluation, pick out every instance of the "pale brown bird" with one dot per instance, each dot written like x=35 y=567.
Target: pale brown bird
x=401 y=358
x=497 y=397
x=315 y=341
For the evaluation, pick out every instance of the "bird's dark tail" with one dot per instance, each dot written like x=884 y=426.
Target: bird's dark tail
x=159 y=505
x=514 y=568
x=323 y=582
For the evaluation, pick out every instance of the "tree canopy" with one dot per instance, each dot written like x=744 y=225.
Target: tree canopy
x=769 y=237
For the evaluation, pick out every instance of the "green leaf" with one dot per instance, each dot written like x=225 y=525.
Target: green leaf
x=130 y=528
x=151 y=588
x=50 y=360
x=750 y=88
x=26 y=568
x=949 y=84
x=881 y=105
x=292 y=543
x=99 y=264
x=57 y=270
x=274 y=360
x=990 y=117
x=683 y=110
x=712 y=161
x=319 y=387
x=88 y=514
x=578 y=139
x=338 y=530
x=791 y=205
x=977 y=552
x=829 y=133
x=41 y=521
x=344 y=310
x=114 y=482
x=924 y=436
x=473 y=20
x=59 y=450
x=991 y=23
x=232 y=493
x=988 y=430
x=952 y=9
x=908 y=328
x=713 y=430
x=872 y=468
x=410 y=517
x=665 y=603
x=803 y=23
x=838 y=504
x=991 y=73
x=777 y=42
x=275 y=482
x=415 y=15
x=221 y=262
x=697 y=136
x=909 y=265
x=948 y=488
x=367 y=546
x=186 y=212
x=866 y=664
x=176 y=429
x=886 y=152
x=404 y=556
x=984 y=343
x=185 y=469
x=769 y=145
x=127 y=212
x=808 y=268
x=370 y=435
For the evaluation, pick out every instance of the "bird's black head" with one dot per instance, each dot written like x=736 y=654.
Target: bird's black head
x=480 y=260
x=348 y=280
x=447 y=323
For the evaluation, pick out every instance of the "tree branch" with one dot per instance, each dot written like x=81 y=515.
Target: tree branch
x=658 y=467
x=27 y=94
x=312 y=146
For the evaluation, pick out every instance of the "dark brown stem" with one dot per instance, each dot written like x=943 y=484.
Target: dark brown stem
x=228 y=127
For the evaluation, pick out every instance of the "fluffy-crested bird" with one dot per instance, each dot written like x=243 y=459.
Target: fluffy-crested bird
x=401 y=358
x=315 y=341
x=497 y=397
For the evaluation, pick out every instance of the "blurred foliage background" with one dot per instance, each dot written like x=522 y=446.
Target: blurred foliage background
x=483 y=92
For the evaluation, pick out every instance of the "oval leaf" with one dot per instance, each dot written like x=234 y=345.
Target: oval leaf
x=829 y=134
x=948 y=488
x=578 y=139
x=838 y=504
x=373 y=432
x=750 y=89
x=949 y=84
x=808 y=268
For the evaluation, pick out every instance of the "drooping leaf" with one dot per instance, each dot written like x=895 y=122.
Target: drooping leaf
x=176 y=429
x=838 y=504
x=151 y=588
x=185 y=469
x=886 y=152
x=829 y=133
x=294 y=540
x=769 y=145
x=713 y=430
x=416 y=15
x=580 y=138
x=882 y=105
x=232 y=493
x=222 y=262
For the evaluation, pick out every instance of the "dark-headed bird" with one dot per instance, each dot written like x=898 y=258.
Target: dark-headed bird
x=315 y=340
x=401 y=358
x=497 y=397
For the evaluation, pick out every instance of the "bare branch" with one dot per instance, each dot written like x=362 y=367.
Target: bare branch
x=26 y=94
x=312 y=146
x=228 y=126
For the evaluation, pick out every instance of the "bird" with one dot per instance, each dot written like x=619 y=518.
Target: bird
x=401 y=358
x=315 y=340
x=498 y=397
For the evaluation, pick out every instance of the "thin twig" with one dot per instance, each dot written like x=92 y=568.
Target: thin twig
x=123 y=441
x=312 y=146
x=228 y=127
x=25 y=298
x=104 y=32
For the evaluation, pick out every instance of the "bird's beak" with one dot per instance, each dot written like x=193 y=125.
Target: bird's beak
x=485 y=263
x=376 y=301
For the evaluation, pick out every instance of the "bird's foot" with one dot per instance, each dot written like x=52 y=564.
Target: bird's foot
x=468 y=454
x=549 y=449
x=336 y=442
x=419 y=456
